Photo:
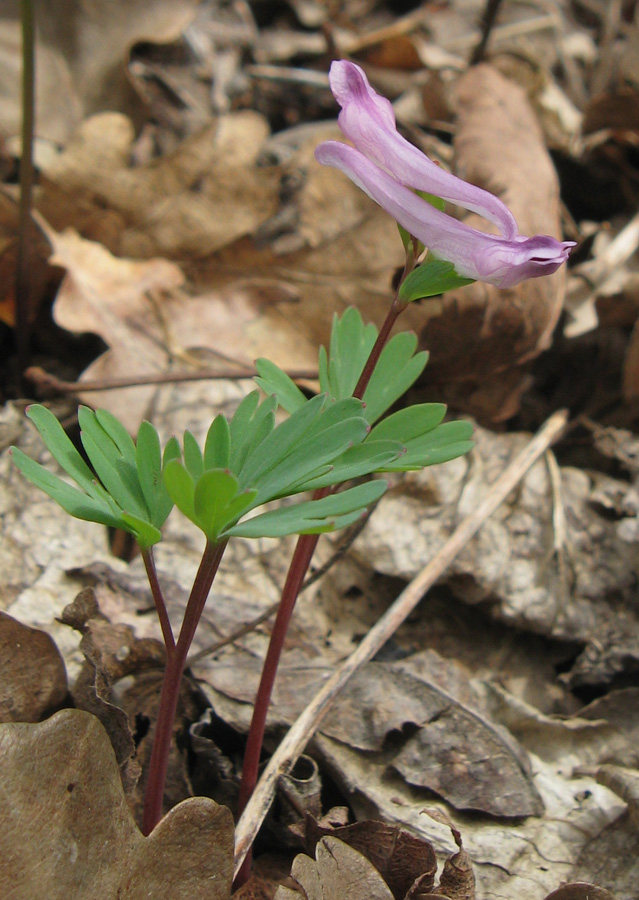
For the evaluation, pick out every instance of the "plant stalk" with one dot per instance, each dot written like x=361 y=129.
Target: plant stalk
x=299 y=565
x=169 y=696
x=158 y=599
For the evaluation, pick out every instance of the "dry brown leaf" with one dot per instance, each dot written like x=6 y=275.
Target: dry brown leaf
x=579 y=890
x=479 y=335
x=339 y=872
x=400 y=858
x=202 y=196
x=62 y=772
x=33 y=680
x=81 y=51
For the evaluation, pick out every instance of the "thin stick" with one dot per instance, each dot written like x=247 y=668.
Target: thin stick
x=49 y=382
x=23 y=266
x=307 y=724
x=487 y=24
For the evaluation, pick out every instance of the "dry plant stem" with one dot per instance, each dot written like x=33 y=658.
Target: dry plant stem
x=23 y=281
x=48 y=382
x=307 y=724
x=175 y=663
x=158 y=599
x=487 y=24
x=300 y=563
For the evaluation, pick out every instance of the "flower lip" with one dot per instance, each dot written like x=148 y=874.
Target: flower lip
x=368 y=121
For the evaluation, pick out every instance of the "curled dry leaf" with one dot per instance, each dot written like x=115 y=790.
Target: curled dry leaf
x=33 y=679
x=63 y=772
x=480 y=335
x=400 y=858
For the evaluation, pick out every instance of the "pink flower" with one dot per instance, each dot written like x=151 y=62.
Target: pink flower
x=386 y=166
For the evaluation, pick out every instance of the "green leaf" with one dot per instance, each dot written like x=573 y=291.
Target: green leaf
x=280 y=442
x=118 y=434
x=149 y=470
x=145 y=534
x=117 y=476
x=312 y=516
x=443 y=443
x=408 y=423
x=73 y=501
x=193 y=456
x=362 y=459
x=61 y=448
x=214 y=491
x=433 y=277
x=180 y=486
x=350 y=346
x=273 y=380
x=217 y=447
x=309 y=458
x=245 y=426
x=397 y=369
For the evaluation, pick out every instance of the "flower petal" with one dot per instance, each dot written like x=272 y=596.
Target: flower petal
x=482 y=257
x=368 y=120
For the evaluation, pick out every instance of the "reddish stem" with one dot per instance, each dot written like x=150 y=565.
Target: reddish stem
x=171 y=683
x=158 y=599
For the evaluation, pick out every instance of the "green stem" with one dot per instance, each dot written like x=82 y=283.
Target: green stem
x=23 y=281
x=170 y=693
x=300 y=562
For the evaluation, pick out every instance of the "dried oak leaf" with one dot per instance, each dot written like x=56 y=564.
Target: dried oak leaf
x=400 y=857
x=62 y=774
x=479 y=336
x=33 y=679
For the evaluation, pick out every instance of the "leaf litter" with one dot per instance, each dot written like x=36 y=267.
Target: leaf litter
x=546 y=587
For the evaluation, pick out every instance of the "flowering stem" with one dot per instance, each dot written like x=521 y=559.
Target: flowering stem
x=298 y=568
x=176 y=660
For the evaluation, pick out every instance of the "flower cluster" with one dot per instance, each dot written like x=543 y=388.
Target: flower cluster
x=389 y=169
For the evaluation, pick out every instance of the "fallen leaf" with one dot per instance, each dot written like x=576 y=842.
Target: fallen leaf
x=81 y=49
x=63 y=772
x=33 y=680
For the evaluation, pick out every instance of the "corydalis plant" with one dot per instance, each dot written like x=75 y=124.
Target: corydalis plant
x=386 y=166
x=245 y=462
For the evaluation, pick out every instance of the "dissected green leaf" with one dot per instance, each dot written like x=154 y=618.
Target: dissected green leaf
x=74 y=501
x=61 y=448
x=244 y=426
x=144 y=532
x=149 y=463
x=214 y=491
x=350 y=346
x=362 y=459
x=217 y=447
x=396 y=370
x=409 y=423
x=443 y=443
x=192 y=456
x=273 y=380
x=124 y=489
x=433 y=277
x=314 y=453
x=117 y=432
x=280 y=442
x=312 y=516
x=180 y=486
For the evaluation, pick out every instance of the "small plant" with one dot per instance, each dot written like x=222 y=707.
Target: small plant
x=331 y=439
x=246 y=462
